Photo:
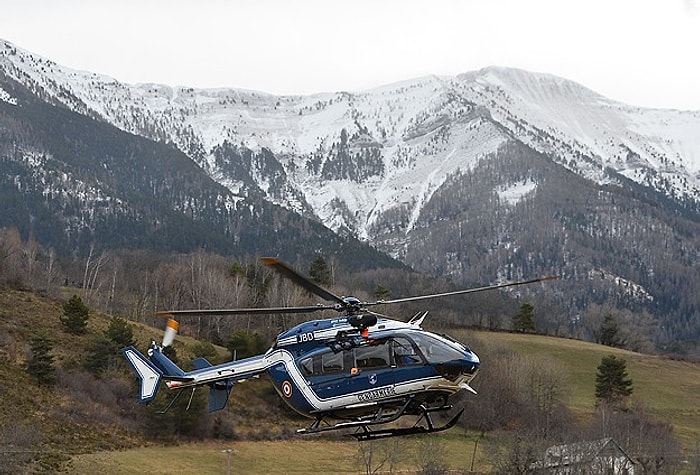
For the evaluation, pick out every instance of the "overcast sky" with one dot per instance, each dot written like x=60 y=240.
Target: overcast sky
x=642 y=52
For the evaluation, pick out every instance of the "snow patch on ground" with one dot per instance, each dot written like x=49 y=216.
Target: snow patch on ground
x=516 y=192
x=6 y=97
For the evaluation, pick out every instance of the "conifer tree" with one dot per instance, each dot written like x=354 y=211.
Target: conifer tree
x=319 y=271
x=120 y=332
x=75 y=315
x=103 y=350
x=236 y=269
x=612 y=384
x=524 y=320
x=171 y=353
x=609 y=332
x=100 y=354
x=382 y=293
x=243 y=345
x=40 y=364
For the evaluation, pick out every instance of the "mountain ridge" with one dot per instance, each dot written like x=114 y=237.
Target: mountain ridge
x=397 y=167
x=199 y=121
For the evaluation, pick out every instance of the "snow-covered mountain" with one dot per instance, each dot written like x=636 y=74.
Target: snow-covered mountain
x=352 y=159
x=497 y=172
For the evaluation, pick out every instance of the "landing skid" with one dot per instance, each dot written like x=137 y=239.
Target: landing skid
x=379 y=417
x=368 y=434
x=364 y=425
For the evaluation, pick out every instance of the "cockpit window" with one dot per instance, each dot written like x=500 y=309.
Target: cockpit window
x=404 y=352
x=436 y=351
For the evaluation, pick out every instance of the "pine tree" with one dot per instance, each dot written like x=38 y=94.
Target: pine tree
x=40 y=365
x=319 y=271
x=609 y=332
x=382 y=293
x=120 y=332
x=243 y=345
x=102 y=353
x=236 y=269
x=75 y=315
x=612 y=384
x=171 y=353
x=524 y=320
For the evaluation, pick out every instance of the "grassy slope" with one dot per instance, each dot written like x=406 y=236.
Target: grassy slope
x=670 y=388
x=301 y=455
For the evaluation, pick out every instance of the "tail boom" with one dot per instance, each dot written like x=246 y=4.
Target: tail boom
x=157 y=367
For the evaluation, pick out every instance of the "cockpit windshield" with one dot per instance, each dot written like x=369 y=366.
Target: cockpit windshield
x=397 y=351
x=435 y=350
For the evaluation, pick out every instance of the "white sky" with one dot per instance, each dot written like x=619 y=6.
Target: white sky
x=642 y=52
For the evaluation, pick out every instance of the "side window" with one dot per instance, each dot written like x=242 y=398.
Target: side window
x=327 y=363
x=404 y=352
x=307 y=366
x=372 y=356
x=332 y=362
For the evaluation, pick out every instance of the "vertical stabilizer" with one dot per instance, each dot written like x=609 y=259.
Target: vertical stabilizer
x=149 y=375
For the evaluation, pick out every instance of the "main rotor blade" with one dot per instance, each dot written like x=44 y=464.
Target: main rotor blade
x=299 y=279
x=460 y=292
x=244 y=311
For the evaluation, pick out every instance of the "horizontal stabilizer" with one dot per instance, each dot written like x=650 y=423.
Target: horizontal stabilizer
x=201 y=363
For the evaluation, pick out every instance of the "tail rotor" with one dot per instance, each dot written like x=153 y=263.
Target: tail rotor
x=171 y=329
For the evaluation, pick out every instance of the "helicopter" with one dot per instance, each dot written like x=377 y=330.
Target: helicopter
x=360 y=370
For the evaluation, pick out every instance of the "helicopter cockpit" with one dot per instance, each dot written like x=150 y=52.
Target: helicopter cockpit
x=412 y=348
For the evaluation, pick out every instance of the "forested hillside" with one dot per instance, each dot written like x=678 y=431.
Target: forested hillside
x=491 y=222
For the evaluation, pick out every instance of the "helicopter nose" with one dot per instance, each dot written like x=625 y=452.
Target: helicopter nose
x=470 y=365
x=458 y=369
x=471 y=368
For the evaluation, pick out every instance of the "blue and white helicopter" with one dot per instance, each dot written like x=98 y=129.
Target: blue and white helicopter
x=359 y=370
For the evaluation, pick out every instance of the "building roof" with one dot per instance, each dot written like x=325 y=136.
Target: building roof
x=579 y=453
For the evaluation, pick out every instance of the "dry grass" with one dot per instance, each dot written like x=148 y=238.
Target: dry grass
x=299 y=456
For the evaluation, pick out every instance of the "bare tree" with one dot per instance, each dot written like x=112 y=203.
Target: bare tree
x=649 y=442
x=17 y=446
x=545 y=385
x=91 y=282
x=431 y=456
x=381 y=455
x=11 y=257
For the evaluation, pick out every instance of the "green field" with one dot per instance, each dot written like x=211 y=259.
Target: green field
x=73 y=419
x=280 y=457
